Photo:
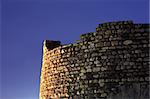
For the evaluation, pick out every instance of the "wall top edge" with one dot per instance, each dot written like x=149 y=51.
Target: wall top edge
x=52 y=45
x=109 y=25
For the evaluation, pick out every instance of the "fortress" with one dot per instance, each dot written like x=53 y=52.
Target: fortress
x=111 y=63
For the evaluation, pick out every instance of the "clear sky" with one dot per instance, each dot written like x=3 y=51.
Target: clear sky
x=26 y=23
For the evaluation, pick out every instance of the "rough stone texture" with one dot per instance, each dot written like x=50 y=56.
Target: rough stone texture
x=111 y=63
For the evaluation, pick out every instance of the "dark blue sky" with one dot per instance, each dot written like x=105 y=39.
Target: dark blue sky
x=26 y=23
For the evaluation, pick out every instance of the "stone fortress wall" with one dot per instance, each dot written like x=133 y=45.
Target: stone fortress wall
x=111 y=63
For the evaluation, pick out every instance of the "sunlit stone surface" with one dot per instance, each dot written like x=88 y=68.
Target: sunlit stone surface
x=111 y=63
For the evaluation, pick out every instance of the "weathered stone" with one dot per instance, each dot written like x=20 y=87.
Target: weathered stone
x=111 y=63
x=127 y=42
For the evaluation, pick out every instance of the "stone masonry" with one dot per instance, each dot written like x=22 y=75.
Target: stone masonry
x=111 y=63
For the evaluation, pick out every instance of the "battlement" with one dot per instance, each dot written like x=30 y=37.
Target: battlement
x=110 y=63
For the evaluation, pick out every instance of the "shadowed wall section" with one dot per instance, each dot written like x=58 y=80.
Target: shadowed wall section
x=111 y=63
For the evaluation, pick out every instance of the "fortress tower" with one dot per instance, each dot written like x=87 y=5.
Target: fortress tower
x=111 y=63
